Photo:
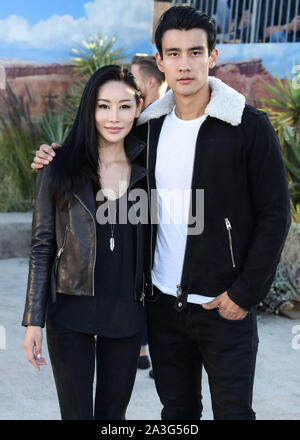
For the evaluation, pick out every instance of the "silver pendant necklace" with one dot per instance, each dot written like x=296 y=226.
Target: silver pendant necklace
x=112 y=225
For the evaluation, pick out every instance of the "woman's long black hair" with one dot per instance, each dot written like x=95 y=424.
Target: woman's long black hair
x=76 y=161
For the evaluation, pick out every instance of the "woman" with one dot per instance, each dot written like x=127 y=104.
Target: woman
x=86 y=269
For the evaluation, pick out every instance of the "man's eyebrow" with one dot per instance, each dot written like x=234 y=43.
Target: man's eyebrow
x=107 y=100
x=201 y=47
x=176 y=49
x=172 y=49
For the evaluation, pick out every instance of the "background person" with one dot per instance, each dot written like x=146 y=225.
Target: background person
x=150 y=79
x=151 y=82
x=283 y=24
x=277 y=28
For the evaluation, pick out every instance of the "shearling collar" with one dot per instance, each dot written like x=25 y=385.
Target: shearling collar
x=225 y=104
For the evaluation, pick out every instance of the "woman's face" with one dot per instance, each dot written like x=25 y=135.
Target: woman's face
x=116 y=109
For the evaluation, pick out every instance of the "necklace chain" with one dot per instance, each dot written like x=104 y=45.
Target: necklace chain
x=112 y=225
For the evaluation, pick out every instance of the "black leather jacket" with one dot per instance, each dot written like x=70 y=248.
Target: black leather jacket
x=63 y=251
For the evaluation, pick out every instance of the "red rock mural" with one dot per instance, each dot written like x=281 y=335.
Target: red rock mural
x=46 y=81
x=246 y=77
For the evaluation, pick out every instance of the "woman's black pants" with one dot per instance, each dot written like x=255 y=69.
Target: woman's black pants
x=73 y=355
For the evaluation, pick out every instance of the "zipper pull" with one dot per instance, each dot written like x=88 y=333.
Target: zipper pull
x=64 y=242
x=179 y=290
x=227 y=222
x=142 y=299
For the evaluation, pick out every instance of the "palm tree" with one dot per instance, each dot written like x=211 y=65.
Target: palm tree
x=96 y=53
x=90 y=56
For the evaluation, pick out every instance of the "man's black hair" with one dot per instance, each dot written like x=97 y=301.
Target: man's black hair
x=185 y=18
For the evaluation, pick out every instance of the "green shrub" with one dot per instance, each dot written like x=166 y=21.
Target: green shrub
x=54 y=127
x=280 y=292
x=19 y=135
x=283 y=109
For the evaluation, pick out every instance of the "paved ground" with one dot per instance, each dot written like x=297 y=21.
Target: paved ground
x=27 y=394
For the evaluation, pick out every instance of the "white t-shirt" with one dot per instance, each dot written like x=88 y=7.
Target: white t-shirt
x=173 y=172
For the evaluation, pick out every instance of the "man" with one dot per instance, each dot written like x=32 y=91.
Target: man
x=277 y=25
x=280 y=22
x=151 y=82
x=150 y=79
x=204 y=286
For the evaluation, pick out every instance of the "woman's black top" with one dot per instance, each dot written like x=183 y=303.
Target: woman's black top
x=113 y=311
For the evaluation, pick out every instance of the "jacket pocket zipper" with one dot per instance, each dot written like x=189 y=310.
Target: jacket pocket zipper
x=55 y=266
x=142 y=298
x=228 y=227
x=60 y=251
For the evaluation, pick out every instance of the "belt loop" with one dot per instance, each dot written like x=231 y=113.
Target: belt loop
x=181 y=302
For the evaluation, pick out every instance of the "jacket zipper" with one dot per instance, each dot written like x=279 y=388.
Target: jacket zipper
x=94 y=262
x=55 y=266
x=60 y=251
x=149 y=195
x=228 y=227
x=142 y=298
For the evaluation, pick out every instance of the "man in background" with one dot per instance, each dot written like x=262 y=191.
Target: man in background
x=151 y=82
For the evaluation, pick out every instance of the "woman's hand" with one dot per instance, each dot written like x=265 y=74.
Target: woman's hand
x=33 y=346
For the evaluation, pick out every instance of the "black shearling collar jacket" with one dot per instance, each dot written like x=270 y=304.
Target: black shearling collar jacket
x=238 y=163
x=63 y=251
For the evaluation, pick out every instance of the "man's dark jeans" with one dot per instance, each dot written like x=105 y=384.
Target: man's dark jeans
x=181 y=342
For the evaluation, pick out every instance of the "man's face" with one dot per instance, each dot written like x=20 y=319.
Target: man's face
x=185 y=61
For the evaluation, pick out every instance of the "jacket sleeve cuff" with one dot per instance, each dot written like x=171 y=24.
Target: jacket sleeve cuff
x=240 y=299
x=37 y=321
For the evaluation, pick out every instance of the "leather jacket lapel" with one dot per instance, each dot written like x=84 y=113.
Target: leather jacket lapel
x=88 y=197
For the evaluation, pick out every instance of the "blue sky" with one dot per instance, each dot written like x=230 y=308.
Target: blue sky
x=35 y=10
x=46 y=31
x=42 y=31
